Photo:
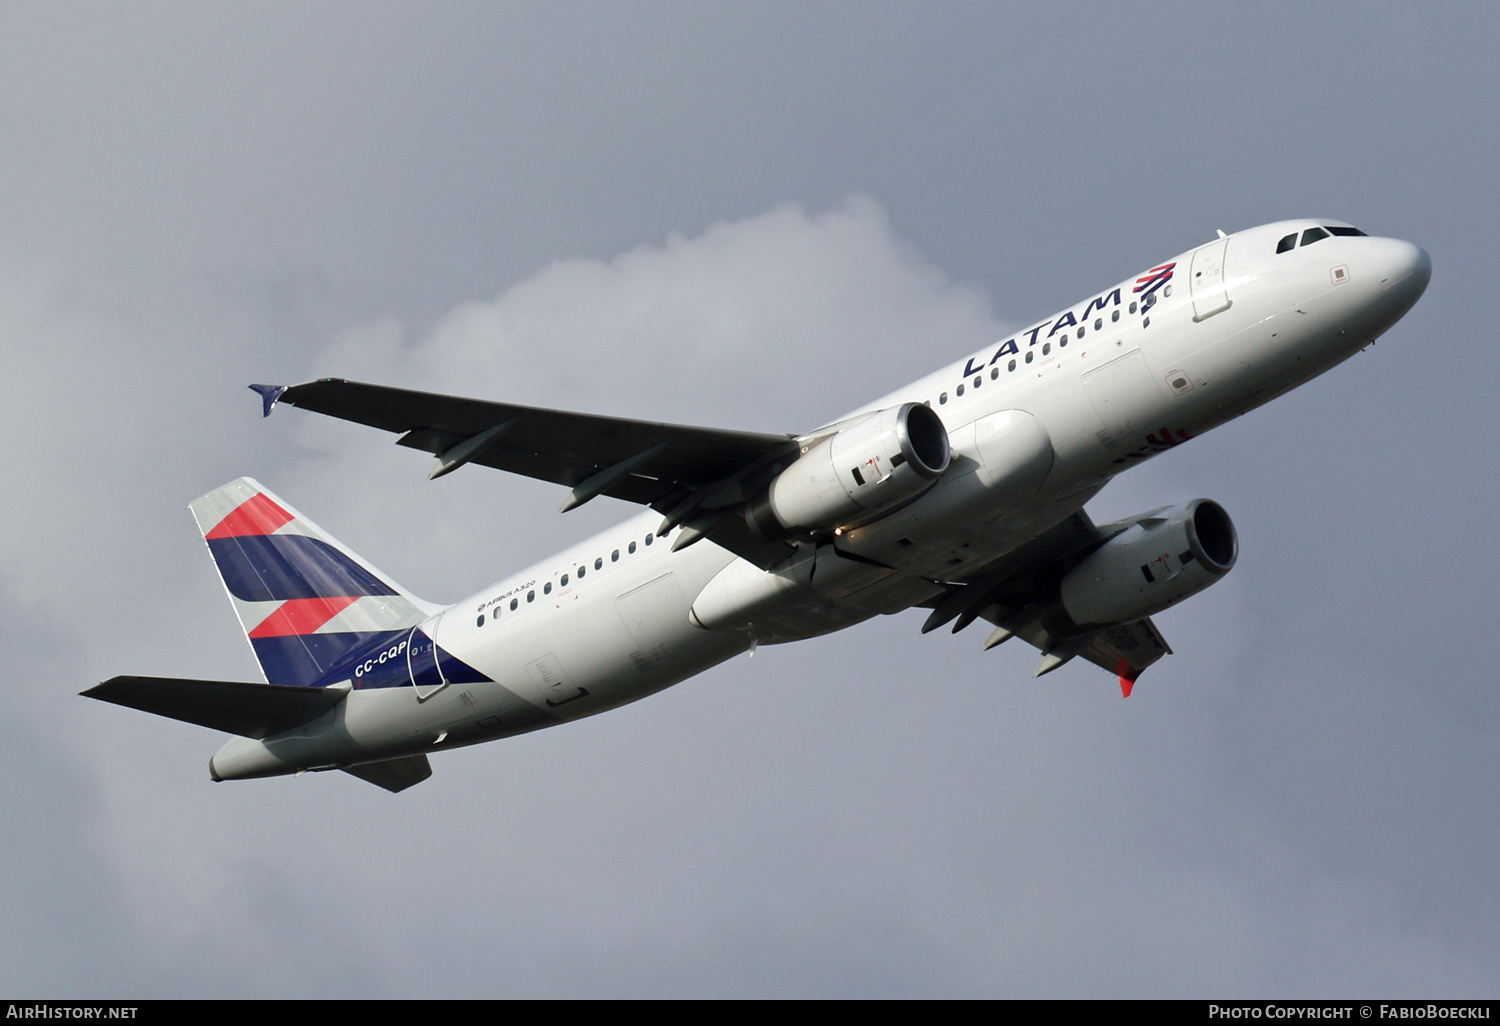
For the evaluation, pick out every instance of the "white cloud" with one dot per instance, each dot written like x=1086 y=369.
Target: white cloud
x=778 y=322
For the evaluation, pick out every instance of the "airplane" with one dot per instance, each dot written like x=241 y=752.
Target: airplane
x=962 y=493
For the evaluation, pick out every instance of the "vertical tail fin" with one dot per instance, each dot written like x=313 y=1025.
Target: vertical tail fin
x=306 y=602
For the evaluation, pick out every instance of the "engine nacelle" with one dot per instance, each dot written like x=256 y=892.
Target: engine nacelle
x=886 y=459
x=1154 y=564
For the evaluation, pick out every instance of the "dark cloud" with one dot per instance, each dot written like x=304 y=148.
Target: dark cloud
x=757 y=216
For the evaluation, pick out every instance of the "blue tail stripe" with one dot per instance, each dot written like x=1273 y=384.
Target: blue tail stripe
x=372 y=659
x=305 y=660
x=263 y=568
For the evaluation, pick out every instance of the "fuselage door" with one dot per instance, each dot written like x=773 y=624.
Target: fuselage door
x=422 y=660
x=1126 y=396
x=1210 y=290
x=655 y=614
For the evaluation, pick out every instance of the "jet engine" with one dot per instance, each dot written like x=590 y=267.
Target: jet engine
x=1155 y=563
x=886 y=459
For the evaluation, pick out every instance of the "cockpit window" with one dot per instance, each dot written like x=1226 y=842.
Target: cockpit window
x=1287 y=242
x=1313 y=235
x=1335 y=229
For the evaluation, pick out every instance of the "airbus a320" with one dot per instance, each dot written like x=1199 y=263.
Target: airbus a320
x=962 y=493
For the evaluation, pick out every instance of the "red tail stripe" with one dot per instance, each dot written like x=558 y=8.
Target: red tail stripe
x=256 y=515
x=302 y=616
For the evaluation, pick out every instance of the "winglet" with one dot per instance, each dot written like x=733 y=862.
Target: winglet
x=269 y=394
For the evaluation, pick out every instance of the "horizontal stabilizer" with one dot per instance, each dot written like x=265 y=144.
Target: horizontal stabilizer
x=393 y=774
x=250 y=710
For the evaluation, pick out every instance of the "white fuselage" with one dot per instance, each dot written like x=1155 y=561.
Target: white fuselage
x=1038 y=423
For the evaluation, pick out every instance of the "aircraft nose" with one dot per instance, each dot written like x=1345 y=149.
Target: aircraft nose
x=1403 y=268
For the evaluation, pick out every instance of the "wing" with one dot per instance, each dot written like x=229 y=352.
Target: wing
x=1012 y=595
x=692 y=475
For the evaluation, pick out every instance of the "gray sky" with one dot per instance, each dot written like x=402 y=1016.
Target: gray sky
x=756 y=216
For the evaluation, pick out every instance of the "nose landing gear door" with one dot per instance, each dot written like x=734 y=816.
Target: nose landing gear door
x=1210 y=291
x=422 y=663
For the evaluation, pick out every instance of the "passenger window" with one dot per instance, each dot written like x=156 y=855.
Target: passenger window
x=942 y=398
x=1029 y=355
x=960 y=390
x=1313 y=235
x=648 y=539
x=531 y=596
x=614 y=557
x=1287 y=242
x=1046 y=348
x=598 y=565
x=1080 y=333
x=978 y=380
x=994 y=373
x=1132 y=306
x=547 y=588
x=495 y=613
x=564 y=583
x=1115 y=316
x=1167 y=291
x=513 y=604
x=1099 y=321
x=581 y=571
x=480 y=621
x=631 y=548
x=1012 y=365
x=1062 y=343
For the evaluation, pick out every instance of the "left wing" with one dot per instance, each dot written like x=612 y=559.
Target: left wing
x=693 y=475
x=250 y=710
x=1010 y=594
